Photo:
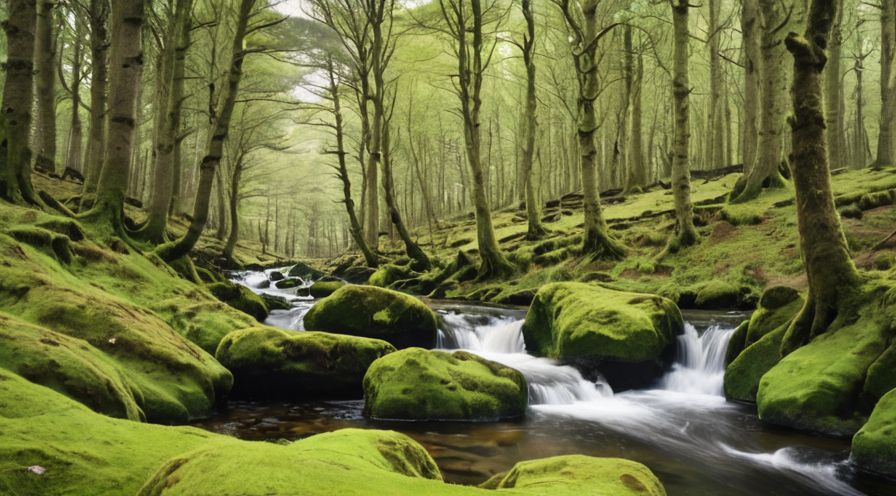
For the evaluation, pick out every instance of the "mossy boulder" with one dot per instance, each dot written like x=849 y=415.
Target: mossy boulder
x=289 y=283
x=87 y=453
x=755 y=346
x=604 y=476
x=418 y=384
x=388 y=274
x=874 y=446
x=325 y=287
x=272 y=363
x=628 y=337
x=240 y=298
x=377 y=313
x=305 y=271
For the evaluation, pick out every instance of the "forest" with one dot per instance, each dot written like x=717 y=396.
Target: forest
x=315 y=247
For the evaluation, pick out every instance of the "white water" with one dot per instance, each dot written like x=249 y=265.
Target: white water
x=700 y=364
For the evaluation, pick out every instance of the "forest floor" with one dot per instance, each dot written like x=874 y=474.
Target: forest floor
x=744 y=248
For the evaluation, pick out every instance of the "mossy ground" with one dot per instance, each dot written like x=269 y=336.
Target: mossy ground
x=418 y=384
x=87 y=453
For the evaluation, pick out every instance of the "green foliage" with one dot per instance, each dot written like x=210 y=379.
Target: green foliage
x=418 y=384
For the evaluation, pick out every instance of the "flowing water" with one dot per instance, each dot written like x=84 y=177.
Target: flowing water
x=683 y=429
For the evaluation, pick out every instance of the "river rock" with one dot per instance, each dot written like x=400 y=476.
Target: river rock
x=325 y=286
x=271 y=363
x=241 y=298
x=276 y=276
x=289 y=283
x=563 y=474
x=627 y=337
x=374 y=312
x=305 y=271
x=389 y=274
x=874 y=446
x=418 y=384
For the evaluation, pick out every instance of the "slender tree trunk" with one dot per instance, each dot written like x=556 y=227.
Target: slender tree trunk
x=750 y=28
x=773 y=82
x=169 y=115
x=215 y=148
x=685 y=232
x=413 y=250
x=93 y=160
x=887 y=83
x=829 y=267
x=833 y=94
x=75 y=137
x=635 y=178
x=45 y=87
x=126 y=62
x=716 y=149
x=15 y=152
x=535 y=229
x=234 y=206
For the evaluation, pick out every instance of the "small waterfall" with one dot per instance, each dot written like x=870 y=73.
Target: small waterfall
x=700 y=366
x=500 y=339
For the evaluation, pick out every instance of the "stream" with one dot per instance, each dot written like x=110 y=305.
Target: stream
x=683 y=429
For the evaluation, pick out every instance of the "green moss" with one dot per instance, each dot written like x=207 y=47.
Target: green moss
x=716 y=295
x=418 y=384
x=292 y=282
x=240 y=298
x=324 y=288
x=874 y=446
x=87 y=453
x=743 y=374
x=609 y=476
x=374 y=312
x=305 y=271
x=271 y=363
x=388 y=274
x=583 y=321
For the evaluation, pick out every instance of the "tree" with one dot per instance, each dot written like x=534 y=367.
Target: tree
x=534 y=228
x=833 y=97
x=581 y=21
x=636 y=171
x=45 y=87
x=126 y=69
x=97 y=15
x=887 y=83
x=685 y=232
x=716 y=119
x=73 y=154
x=833 y=280
x=465 y=22
x=15 y=153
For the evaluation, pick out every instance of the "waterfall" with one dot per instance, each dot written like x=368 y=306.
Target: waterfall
x=700 y=362
x=500 y=339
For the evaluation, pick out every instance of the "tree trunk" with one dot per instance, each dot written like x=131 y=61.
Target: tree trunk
x=234 y=206
x=163 y=177
x=215 y=148
x=685 y=232
x=887 y=83
x=126 y=63
x=421 y=261
x=534 y=229
x=635 y=178
x=773 y=83
x=716 y=148
x=18 y=90
x=76 y=135
x=93 y=160
x=833 y=94
x=45 y=87
x=829 y=267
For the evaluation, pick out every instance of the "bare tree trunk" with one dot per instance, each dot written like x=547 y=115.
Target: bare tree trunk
x=833 y=94
x=636 y=174
x=18 y=90
x=685 y=232
x=76 y=135
x=126 y=63
x=773 y=81
x=887 y=83
x=45 y=87
x=93 y=160
x=220 y=128
x=234 y=206
x=716 y=149
x=535 y=229
x=829 y=267
x=163 y=178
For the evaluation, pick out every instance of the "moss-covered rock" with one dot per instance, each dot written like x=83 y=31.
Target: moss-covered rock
x=388 y=274
x=627 y=336
x=374 y=312
x=289 y=283
x=271 y=363
x=418 y=384
x=325 y=287
x=874 y=446
x=756 y=346
x=305 y=271
x=241 y=298
x=87 y=453
x=603 y=476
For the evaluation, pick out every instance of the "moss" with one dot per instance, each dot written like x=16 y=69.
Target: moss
x=292 y=282
x=388 y=274
x=324 y=288
x=577 y=320
x=87 y=453
x=240 y=298
x=716 y=295
x=374 y=312
x=874 y=446
x=271 y=363
x=418 y=384
x=594 y=475
x=305 y=271
x=851 y=211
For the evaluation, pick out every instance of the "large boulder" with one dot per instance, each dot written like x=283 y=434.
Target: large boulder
x=240 y=298
x=271 y=363
x=874 y=446
x=325 y=286
x=418 y=384
x=627 y=337
x=305 y=271
x=755 y=346
x=374 y=312
x=604 y=476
